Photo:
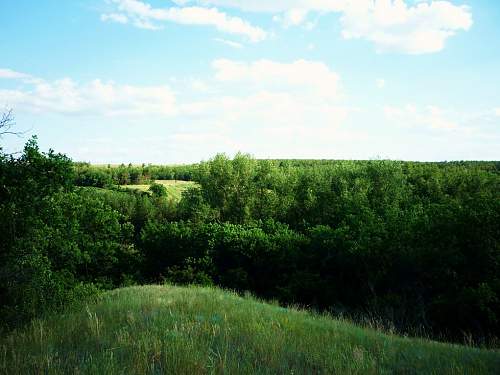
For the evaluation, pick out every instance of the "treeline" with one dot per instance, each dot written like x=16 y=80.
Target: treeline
x=493 y=166
x=415 y=244
x=104 y=176
x=87 y=174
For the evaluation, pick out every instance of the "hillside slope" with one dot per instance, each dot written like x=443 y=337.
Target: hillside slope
x=164 y=329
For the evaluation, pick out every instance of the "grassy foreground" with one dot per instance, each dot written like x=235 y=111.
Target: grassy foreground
x=166 y=329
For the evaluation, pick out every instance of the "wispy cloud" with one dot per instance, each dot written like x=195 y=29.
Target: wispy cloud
x=229 y=43
x=12 y=74
x=428 y=118
x=143 y=15
x=115 y=17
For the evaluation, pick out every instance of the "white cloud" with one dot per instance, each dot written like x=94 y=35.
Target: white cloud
x=295 y=17
x=496 y=111
x=66 y=96
x=266 y=74
x=211 y=142
x=115 y=17
x=229 y=43
x=431 y=117
x=275 y=6
x=143 y=15
x=260 y=93
x=275 y=108
x=380 y=82
x=199 y=86
x=12 y=74
x=392 y=25
x=265 y=90
x=271 y=124
x=269 y=108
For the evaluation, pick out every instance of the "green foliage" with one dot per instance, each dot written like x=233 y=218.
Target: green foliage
x=103 y=176
x=136 y=207
x=227 y=185
x=194 y=207
x=57 y=243
x=193 y=271
x=414 y=245
x=158 y=190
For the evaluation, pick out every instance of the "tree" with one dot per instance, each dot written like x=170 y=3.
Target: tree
x=6 y=123
x=158 y=190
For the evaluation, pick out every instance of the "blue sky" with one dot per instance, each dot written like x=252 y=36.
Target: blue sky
x=160 y=81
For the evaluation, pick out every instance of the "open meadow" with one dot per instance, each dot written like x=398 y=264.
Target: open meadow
x=174 y=188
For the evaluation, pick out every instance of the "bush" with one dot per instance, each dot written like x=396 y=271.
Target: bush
x=158 y=190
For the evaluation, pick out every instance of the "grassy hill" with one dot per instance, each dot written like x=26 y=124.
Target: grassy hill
x=166 y=329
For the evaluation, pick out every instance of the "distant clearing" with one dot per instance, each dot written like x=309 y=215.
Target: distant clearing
x=174 y=187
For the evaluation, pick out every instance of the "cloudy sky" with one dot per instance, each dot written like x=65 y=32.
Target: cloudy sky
x=160 y=81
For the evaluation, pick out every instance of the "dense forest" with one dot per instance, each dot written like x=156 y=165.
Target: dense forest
x=104 y=176
x=412 y=245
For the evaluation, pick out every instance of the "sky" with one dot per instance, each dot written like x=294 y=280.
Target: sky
x=158 y=81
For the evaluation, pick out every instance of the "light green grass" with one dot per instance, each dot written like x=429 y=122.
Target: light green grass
x=174 y=187
x=174 y=330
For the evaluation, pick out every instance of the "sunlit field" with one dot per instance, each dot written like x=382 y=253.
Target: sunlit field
x=174 y=187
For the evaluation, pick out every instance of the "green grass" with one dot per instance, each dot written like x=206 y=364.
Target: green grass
x=174 y=330
x=174 y=187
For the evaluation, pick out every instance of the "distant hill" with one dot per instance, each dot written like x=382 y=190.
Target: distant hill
x=194 y=330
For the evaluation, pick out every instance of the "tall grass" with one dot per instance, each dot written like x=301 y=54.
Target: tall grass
x=166 y=329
